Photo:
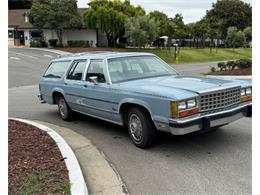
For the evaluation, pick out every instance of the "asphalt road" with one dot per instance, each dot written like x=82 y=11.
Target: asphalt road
x=217 y=162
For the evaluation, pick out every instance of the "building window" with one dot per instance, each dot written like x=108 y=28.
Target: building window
x=10 y=34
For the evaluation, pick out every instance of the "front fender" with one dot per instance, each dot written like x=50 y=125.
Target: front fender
x=137 y=102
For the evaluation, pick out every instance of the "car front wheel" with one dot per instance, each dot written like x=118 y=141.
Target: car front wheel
x=64 y=109
x=141 y=128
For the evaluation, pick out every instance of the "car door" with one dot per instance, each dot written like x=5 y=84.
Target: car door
x=74 y=85
x=97 y=101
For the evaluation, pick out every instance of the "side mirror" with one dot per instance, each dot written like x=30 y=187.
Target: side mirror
x=94 y=79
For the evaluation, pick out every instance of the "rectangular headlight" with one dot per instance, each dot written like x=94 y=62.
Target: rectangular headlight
x=182 y=105
x=243 y=92
x=248 y=91
x=191 y=103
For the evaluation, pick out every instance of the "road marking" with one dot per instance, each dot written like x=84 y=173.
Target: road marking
x=26 y=55
x=15 y=58
x=49 y=56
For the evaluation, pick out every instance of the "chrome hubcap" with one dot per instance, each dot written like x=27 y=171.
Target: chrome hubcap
x=63 y=108
x=135 y=127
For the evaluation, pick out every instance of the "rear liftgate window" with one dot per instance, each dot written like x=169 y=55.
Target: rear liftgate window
x=57 y=69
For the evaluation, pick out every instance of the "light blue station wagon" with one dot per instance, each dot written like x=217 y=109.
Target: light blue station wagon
x=142 y=92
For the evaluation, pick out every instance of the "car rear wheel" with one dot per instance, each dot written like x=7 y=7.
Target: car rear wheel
x=64 y=109
x=141 y=128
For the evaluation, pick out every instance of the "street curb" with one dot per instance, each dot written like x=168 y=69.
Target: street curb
x=245 y=77
x=78 y=185
x=52 y=50
x=100 y=174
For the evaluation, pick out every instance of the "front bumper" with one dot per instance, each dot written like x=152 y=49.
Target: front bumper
x=185 y=126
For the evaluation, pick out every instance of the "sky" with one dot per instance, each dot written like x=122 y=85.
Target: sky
x=192 y=10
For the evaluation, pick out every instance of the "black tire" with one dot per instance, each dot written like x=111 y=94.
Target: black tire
x=145 y=136
x=65 y=111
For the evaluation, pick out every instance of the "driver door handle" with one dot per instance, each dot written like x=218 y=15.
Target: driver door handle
x=85 y=85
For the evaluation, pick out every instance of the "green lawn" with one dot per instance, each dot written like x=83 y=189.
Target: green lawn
x=193 y=55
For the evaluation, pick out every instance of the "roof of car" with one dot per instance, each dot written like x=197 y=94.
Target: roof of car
x=99 y=55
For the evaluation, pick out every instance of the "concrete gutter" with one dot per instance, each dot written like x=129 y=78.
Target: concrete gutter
x=78 y=185
x=100 y=175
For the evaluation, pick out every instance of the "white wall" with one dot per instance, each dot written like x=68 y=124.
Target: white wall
x=86 y=35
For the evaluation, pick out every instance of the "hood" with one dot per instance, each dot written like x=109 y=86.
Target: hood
x=178 y=86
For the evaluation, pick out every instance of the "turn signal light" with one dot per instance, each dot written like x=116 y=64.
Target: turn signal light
x=245 y=98
x=188 y=112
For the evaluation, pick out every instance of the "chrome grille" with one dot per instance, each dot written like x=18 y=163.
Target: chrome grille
x=216 y=101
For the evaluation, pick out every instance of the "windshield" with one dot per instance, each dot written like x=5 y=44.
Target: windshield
x=137 y=67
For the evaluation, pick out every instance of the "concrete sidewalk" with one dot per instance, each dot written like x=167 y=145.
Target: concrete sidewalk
x=100 y=175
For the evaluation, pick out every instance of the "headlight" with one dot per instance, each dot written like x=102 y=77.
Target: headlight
x=191 y=103
x=248 y=91
x=246 y=94
x=243 y=92
x=184 y=108
x=182 y=105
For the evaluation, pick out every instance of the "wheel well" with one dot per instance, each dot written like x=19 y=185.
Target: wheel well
x=55 y=97
x=126 y=106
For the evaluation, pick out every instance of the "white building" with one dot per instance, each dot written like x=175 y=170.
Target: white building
x=21 y=31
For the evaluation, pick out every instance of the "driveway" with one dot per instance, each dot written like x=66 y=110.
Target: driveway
x=218 y=162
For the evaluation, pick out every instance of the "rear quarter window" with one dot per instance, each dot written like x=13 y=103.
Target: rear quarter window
x=57 y=69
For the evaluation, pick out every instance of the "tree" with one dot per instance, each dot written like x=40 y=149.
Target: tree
x=59 y=15
x=235 y=38
x=162 y=20
x=198 y=31
x=248 y=33
x=110 y=16
x=212 y=34
x=230 y=13
x=141 y=30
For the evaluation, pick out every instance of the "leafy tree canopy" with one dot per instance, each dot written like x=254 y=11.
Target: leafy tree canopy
x=162 y=20
x=110 y=16
x=235 y=38
x=226 y=13
x=248 y=33
x=141 y=30
x=55 y=14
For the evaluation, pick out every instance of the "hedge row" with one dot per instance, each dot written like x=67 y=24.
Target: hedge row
x=80 y=43
x=231 y=65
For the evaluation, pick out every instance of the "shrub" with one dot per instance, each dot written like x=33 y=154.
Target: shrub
x=87 y=44
x=213 y=69
x=231 y=65
x=78 y=43
x=244 y=63
x=222 y=66
x=53 y=42
x=37 y=42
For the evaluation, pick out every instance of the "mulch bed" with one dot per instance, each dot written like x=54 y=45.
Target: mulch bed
x=244 y=71
x=33 y=154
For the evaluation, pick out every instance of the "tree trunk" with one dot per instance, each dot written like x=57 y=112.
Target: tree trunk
x=59 y=33
x=110 y=39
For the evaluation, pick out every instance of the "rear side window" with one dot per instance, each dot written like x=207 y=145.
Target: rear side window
x=77 y=70
x=57 y=69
